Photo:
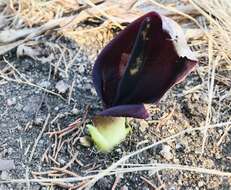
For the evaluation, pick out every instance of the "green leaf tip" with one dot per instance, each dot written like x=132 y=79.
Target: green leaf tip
x=108 y=132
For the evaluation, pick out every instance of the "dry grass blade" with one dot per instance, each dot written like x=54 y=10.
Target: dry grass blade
x=36 y=12
x=11 y=35
x=34 y=32
x=23 y=80
x=39 y=137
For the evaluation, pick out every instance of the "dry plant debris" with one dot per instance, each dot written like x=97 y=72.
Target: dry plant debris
x=195 y=126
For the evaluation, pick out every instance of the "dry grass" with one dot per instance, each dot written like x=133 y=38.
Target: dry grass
x=210 y=37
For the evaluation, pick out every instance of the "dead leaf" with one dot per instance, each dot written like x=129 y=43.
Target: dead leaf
x=11 y=35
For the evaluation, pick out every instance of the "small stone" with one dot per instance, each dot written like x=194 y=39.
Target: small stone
x=10 y=151
x=79 y=86
x=2 y=93
x=200 y=183
x=179 y=147
x=75 y=111
x=85 y=141
x=124 y=187
x=81 y=69
x=61 y=161
x=118 y=150
x=172 y=188
x=88 y=86
x=208 y=163
x=93 y=91
x=166 y=152
x=19 y=127
x=19 y=107
x=36 y=187
x=4 y=175
x=38 y=120
x=11 y=101
x=31 y=105
x=61 y=86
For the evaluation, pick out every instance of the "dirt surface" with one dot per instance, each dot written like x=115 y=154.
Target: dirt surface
x=24 y=110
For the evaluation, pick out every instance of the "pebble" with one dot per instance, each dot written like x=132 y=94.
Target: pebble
x=172 y=188
x=11 y=101
x=124 y=187
x=79 y=86
x=81 y=69
x=61 y=86
x=85 y=141
x=4 y=175
x=93 y=91
x=179 y=147
x=19 y=107
x=38 y=120
x=10 y=151
x=88 y=86
x=200 y=183
x=75 y=111
x=166 y=152
x=36 y=187
x=61 y=161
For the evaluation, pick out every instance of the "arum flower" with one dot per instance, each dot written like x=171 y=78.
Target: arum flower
x=140 y=64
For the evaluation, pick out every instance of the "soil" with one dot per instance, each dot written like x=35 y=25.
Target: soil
x=24 y=109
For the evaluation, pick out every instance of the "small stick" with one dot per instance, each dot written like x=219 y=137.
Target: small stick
x=55 y=175
x=148 y=182
x=79 y=162
x=55 y=145
x=74 y=123
x=70 y=162
x=224 y=135
x=63 y=185
x=75 y=137
x=20 y=142
x=56 y=117
x=43 y=173
x=39 y=137
x=66 y=130
x=70 y=92
x=117 y=180
x=41 y=183
x=27 y=126
x=73 y=127
x=44 y=156
x=27 y=149
x=80 y=186
x=66 y=171
x=25 y=81
x=58 y=148
x=166 y=117
x=52 y=159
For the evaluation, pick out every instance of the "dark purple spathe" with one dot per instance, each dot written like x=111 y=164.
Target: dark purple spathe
x=123 y=93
